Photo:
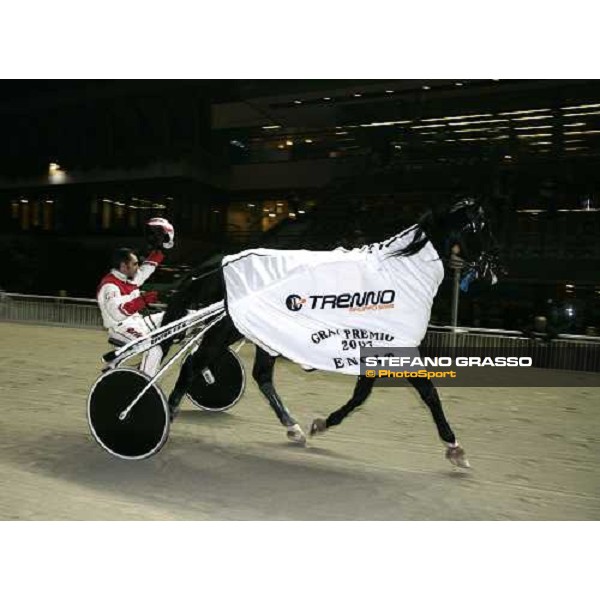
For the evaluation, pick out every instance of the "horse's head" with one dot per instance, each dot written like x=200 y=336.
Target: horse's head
x=464 y=229
x=461 y=229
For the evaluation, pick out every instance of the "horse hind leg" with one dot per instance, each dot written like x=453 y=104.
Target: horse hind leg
x=362 y=390
x=454 y=451
x=262 y=372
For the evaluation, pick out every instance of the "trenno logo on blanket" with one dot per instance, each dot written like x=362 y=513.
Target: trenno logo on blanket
x=354 y=302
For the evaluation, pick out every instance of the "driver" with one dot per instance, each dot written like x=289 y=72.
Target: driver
x=120 y=299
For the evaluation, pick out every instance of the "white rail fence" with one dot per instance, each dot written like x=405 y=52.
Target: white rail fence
x=577 y=352
x=53 y=310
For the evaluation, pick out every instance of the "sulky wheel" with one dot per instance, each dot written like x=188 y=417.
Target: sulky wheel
x=219 y=385
x=144 y=430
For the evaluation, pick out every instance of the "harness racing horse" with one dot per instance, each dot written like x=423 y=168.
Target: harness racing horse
x=253 y=278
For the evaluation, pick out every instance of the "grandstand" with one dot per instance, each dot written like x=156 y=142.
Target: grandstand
x=315 y=164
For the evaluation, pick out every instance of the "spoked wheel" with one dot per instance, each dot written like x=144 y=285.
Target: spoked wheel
x=144 y=430
x=219 y=385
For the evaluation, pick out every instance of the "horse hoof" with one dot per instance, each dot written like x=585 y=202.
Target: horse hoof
x=296 y=435
x=173 y=411
x=318 y=426
x=456 y=455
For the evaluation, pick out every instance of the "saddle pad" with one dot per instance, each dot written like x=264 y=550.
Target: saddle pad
x=318 y=308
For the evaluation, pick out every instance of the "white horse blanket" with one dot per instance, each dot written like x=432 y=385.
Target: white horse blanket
x=319 y=308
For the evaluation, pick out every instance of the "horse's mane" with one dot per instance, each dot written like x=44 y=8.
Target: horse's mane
x=444 y=226
x=423 y=233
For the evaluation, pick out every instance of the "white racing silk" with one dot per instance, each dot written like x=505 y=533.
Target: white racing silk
x=319 y=308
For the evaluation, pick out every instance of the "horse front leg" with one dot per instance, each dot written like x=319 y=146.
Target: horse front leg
x=428 y=393
x=262 y=372
x=362 y=390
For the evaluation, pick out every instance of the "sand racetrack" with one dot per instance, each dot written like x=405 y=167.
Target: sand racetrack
x=535 y=452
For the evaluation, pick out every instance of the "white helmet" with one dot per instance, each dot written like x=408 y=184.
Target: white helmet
x=159 y=230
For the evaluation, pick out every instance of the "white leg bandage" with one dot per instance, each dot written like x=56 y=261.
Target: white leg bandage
x=151 y=361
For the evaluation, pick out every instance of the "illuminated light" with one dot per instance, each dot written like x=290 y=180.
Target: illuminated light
x=525 y=112
x=588 y=132
x=457 y=117
x=301 y=212
x=279 y=203
x=398 y=147
x=584 y=114
x=581 y=106
x=478 y=139
x=573 y=148
x=384 y=123
x=56 y=174
x=478 y=122
x=23 y=201
x=289 y=143
x=266 y=209
x=216 y=211
x=327 y=98
x=49 y=201
x=292 y=214
x=507 y=157
x=271 y=126
x=574 y=125
x=357 y=95
x=281 y=146
x=341 y=133
x=480 y=129
x=251 y=205
x=534 y=127
x=569 y=285
x=297 y=101
x=541 y=143
x=459 y=84
x=533 y=135
x=428 y=126
x=308 y=141
x=272 y=215
x=534 y=118
x=389 y=91
x=426 y=87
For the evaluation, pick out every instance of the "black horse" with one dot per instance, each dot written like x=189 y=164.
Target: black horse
x=461 y=229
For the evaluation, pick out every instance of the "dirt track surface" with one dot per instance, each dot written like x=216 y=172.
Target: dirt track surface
x=535 y=453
